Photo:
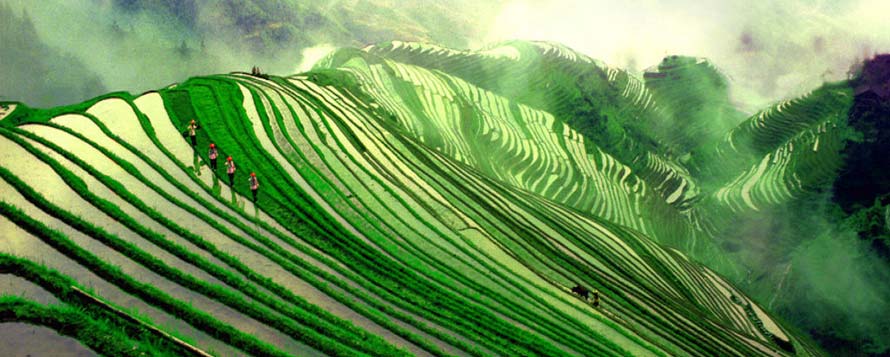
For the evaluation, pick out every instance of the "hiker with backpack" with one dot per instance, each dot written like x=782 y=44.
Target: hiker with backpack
x=213 y=154
x=230 y=169
x=254 y=185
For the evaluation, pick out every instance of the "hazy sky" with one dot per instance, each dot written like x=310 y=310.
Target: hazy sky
x=771 y=49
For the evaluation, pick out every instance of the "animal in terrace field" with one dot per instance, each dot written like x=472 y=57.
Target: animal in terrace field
x=581 y=291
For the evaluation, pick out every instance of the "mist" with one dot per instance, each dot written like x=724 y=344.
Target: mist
x=127 y=52
x=808 y=263
x=808 y=260
x=842 y=293
x=137 y=46
x=770 y=49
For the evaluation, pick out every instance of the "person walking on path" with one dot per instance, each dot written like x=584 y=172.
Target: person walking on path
x=193 y=127
x=213 y=154
x=230 y=169
x=254 y=185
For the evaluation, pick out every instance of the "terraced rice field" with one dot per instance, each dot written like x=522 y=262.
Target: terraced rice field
x=783 y=152
x=22 y=339
x=607 y=174
x=682 y=190
x=402 y=211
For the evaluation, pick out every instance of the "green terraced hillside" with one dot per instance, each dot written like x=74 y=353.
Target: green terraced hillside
x=409 y=205
x=682 y=186
x=599 y=111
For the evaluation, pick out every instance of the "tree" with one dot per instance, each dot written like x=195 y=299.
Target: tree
x=184 y=49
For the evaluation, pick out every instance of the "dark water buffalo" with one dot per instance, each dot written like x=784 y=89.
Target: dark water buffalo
x=581 y=291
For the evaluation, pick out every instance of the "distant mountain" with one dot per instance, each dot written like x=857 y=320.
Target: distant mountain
x=64 y=52
x=415 y=199
x=273 y=26
x=30 y=69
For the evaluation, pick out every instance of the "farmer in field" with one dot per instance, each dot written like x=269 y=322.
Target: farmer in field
x=596 y=298
x=254 y=185
x=213 y=154
x=230 y=169
x=193 y=127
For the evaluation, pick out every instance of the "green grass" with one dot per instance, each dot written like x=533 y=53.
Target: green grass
x=91 y=324
x=434 y=262
x=441 y=208
x=147 y=293
x=305 y=313
x=360 y=257
x=98 y=335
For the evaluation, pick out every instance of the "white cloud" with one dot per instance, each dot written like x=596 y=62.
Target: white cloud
x=795 y=42
x=313 y=54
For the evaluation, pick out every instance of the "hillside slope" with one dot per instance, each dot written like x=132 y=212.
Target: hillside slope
x=600 y=111
x=402 y=210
